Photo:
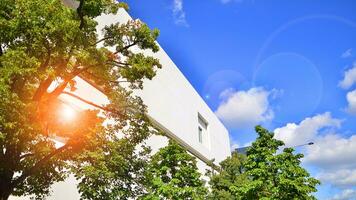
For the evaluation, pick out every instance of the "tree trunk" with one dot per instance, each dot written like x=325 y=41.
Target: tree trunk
x=5 y=190
x=4 y=196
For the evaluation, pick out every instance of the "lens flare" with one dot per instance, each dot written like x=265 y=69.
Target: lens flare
x=67 y=113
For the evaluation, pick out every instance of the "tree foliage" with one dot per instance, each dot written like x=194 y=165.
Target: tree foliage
x=172 y=174
x=229 y=178
x=44 y=42
x=273 y=174
x=265 y=173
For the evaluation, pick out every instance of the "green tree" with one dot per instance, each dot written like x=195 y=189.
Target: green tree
x=275 y=175
x=43 y=42
x=172 y=174
x=229 y=177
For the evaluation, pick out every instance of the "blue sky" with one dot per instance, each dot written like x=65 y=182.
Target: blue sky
x=288 y=65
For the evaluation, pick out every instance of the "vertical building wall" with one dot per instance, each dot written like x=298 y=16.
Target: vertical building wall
x=176 y=106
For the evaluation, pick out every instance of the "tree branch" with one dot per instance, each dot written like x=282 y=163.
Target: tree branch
x=126 y=47
x=42 y=89
x=101 y=40
x=118 y=64
x=26 y=155
x=2 y=153
x=86 y=101
x=111 y=81
x=56 y=92
x=91 y=103
x=44 y=64
x=38 y=165
x=80 y=14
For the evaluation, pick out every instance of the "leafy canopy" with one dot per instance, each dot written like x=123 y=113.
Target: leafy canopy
x=230 y=176
x=172 y=174
x=43 y=42
x=265 y=173
x=275 y=175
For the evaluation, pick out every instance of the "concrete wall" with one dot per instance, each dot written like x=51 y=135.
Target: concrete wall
x=174 y=104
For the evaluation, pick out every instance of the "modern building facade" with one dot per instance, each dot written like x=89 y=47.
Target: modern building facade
x=173 y=105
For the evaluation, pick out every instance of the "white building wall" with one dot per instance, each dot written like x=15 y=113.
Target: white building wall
x=175 y=104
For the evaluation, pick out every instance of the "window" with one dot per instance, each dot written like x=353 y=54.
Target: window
x=202 y=130
x=200 y=134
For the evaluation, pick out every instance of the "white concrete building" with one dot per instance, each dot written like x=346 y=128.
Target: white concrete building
x=173 y=105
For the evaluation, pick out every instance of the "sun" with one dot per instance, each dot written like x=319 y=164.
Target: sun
x=67 y=113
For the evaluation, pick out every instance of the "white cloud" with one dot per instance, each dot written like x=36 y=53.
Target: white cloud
x=347 y=53
x=332 y=154
x=243 y=109
x=295 y=134
x=333 y=151
x=347 y=194
x=343 y=177
x=351 y=99
x=349 y=78
x=227 y=93
x=335 y=157
x=178 y=13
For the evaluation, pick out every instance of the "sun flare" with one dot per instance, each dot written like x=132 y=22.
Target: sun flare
x=67 y=113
